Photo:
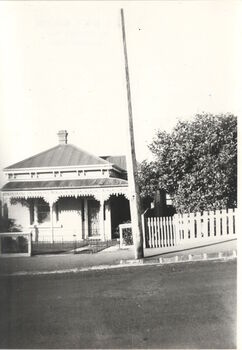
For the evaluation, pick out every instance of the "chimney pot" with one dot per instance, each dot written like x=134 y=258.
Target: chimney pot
x=62 y=135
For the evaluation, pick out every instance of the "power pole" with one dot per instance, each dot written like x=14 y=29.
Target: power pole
x=132 y=166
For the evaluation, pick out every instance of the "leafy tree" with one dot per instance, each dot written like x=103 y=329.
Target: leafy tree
x=148 y=177
x=196 y=163
x=8 y=225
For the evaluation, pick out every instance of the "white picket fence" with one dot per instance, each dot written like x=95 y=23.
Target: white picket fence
x=193 y=228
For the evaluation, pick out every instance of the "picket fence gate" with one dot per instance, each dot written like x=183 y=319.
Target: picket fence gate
x=208 y=226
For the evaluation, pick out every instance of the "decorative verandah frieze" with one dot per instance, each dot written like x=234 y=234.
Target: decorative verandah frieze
x=52 y=196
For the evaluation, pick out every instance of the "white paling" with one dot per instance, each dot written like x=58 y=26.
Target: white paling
x=191 y=228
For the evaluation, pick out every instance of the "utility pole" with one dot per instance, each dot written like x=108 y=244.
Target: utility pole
x=132 y=165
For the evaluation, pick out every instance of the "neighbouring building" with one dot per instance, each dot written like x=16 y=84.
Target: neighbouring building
x=65 y=192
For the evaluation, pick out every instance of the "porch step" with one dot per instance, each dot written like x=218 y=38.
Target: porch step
x=84 y=250
x=95 y=246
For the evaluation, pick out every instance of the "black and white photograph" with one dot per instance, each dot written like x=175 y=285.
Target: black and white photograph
x=119 y=212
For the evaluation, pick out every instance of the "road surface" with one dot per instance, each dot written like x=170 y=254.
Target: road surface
x=185 y=305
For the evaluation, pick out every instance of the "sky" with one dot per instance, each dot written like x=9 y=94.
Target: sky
x=62 y=67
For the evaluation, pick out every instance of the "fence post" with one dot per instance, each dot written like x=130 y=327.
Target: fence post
x=199 y=224
x=158 y=232
x=192 y=229
x=149 y=232
x=165 y=234
x=155 y=232
x=235 y=221
x=230 y=218
x=176 y=229
x=168 y=232
x=185 y=227
x=217 y=213
x=162 y=231
x=143 y=228
x=181 y=229
x=171 y=231
x=120 y=237
x=205 y=224
x=181 y=226
x=30 y=244
x=224 y=222
x=152 y=232
x=211 y=223
x=188 y=226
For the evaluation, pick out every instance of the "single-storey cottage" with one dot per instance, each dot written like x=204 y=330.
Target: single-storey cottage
x=65 y=191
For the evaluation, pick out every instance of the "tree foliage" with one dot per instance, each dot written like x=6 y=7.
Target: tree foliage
x=9 y=225
x=196 y=163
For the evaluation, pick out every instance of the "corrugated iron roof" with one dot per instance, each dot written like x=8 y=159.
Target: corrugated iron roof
x=61 y=184
x=120 y=161
x=60 y=155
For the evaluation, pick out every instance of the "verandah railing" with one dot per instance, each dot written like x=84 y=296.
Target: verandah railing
x=190 y=228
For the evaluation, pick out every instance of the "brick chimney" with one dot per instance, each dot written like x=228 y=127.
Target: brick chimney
x=62 y=135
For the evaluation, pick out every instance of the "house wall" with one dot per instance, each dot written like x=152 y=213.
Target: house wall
x=70 y=217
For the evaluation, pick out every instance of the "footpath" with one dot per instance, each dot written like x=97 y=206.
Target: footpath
x=113 y=257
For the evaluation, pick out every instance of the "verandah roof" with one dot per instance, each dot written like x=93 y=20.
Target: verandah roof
x=64 y=184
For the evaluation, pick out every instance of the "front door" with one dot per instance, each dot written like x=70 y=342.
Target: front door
x=93 y=218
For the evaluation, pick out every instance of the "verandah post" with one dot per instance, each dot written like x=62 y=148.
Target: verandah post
x=85 y=218
x=101 y=219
